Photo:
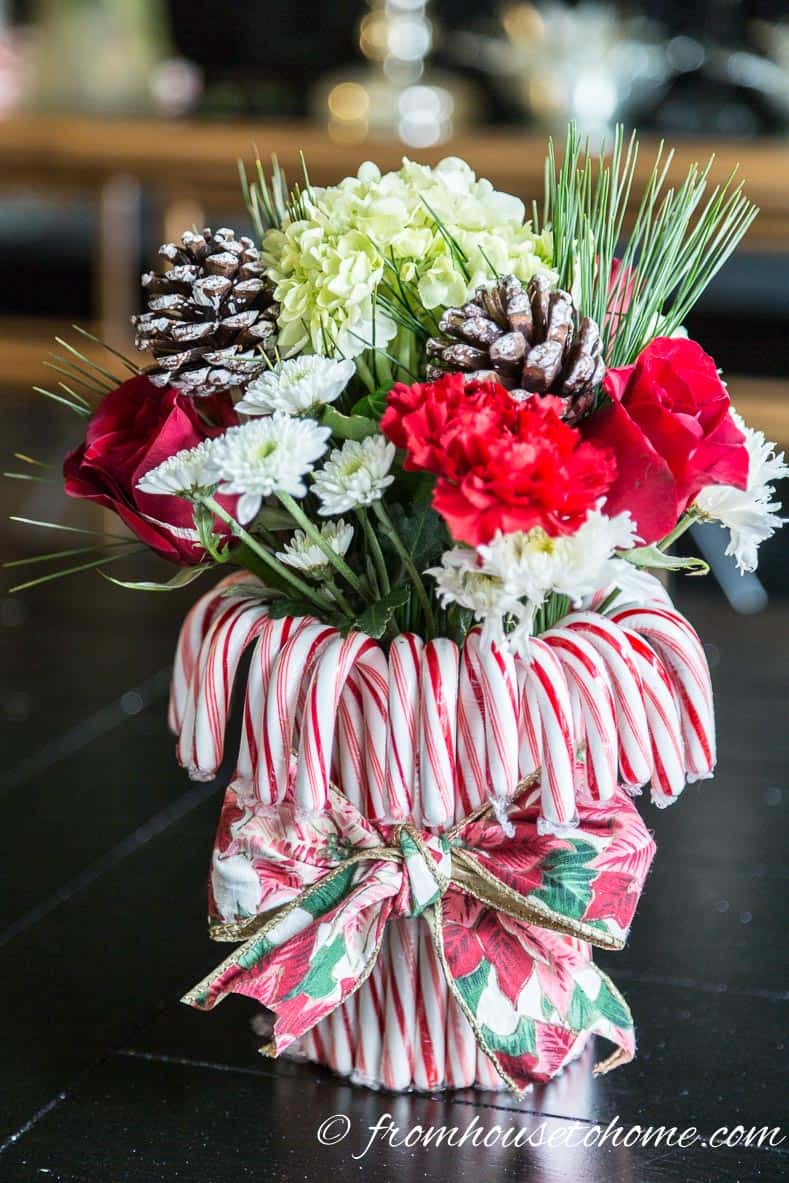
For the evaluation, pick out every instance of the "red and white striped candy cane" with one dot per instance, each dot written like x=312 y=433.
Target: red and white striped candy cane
x=201 y=743
x=372 y=673
x=399 y=1026
x=431 y=1010
x=635 y=745
x=291 y=665
x=402 y=749
x=471 y=776
x=326 y=683
x=587 y=677
x=348 y=757
x=546 y=680
x=438 y=725
x=530 y=729
x=500 y=691
x=682 y=654
x=190 y=638
x=273 y=635
x=668 y=773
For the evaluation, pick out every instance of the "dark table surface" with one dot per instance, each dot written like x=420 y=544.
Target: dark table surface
x=105 y=845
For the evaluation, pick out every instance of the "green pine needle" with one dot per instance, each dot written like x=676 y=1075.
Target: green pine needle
x=680 y=239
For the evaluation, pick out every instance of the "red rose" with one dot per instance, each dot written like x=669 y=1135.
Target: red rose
x=133 y=429
x=670 y=426
x=501 y=464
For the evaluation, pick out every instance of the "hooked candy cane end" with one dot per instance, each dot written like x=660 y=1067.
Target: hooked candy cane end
x=693 y=777
x=200 y=774
x=558 y=829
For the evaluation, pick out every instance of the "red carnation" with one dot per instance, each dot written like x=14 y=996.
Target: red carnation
x=501 y=464
x=670 y=425
x=136 y=427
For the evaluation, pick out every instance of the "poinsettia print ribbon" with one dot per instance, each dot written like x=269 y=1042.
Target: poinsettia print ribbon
x=311 y=898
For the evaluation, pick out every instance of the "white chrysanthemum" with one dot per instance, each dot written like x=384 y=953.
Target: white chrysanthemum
x=354 y=475
x=506 y=582
x=750 y=515
x=327 y=265
x=531 y=565
x=183 y=473
x=265 y=456
x=305 y=555
x=462 y=580
x=297 y=385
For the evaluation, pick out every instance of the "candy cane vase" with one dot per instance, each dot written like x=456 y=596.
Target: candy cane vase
x=422 y=842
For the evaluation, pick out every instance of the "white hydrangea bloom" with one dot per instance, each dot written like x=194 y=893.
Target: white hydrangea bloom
x=298 y=385
x=354 y=475
x=182 y=473
x=510 y=578
x=750 y=515
x=327 y=265
x=304 y=555
x=265 y=456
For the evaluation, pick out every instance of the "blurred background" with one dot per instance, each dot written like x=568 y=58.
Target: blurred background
x=122 y=122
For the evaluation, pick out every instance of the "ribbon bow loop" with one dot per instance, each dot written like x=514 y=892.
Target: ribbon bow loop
x=511 y=916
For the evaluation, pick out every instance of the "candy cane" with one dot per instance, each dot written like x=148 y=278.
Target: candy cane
x=530 y=731
x=471 y=776
x=201 y=742
x=372 y=671
x=273 y=635
x=547 y=682
x=351 y=773
x=438 y=726
x=190 y=638
x=635 y=746
x=500 y=691
x=682 y=654
x=668 y=774
x=320 y=709
x=587 y=677
x=432 y=995
x=403 y=724
x=292 y=664
x=400 y=1006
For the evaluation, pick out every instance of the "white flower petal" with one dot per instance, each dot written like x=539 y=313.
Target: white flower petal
x=182 y=473
x=354 y=475
x=266 y=456
x=297 y=385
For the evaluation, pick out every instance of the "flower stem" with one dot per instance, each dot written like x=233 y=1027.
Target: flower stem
x=375 y=547
x=684 y=523
x=314 y=534
x=304 y=589
x=397 y=542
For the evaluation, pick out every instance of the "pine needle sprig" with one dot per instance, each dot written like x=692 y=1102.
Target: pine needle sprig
x=681 y=237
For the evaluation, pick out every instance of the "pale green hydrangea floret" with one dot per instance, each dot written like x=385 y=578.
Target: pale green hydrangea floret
x=327 y=266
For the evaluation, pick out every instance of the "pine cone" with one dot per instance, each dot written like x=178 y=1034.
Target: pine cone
x=209 y=315
x=530 y=339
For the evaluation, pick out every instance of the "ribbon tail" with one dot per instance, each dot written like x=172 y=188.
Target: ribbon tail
x=532 y=1036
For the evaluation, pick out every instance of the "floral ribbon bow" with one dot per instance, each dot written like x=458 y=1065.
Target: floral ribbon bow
x=509 y=915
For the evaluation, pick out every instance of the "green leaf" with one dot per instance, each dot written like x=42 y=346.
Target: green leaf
x=422 y=530
x=348 y=427
x=652 y=556
x=520 y=1042
x=185 y=576
x=613 y=1008
x=374 y=621
x=319 y=980
x=566 y=879
x=372 y=405
x=274 y=517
